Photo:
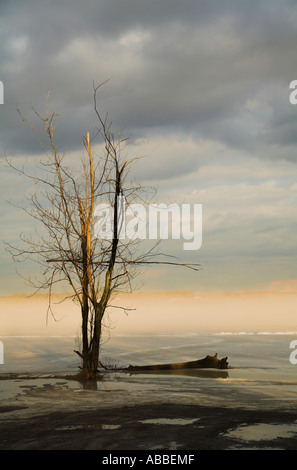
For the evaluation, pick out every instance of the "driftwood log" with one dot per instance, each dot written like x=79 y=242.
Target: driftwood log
x=208 y=362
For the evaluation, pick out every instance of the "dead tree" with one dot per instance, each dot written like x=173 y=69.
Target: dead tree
x=68 y=249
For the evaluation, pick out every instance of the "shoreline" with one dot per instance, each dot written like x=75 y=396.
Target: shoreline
x=250 y=405
x=146 y=413
x=150 y=427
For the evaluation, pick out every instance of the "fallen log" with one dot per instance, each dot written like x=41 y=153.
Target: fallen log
x=208 y=362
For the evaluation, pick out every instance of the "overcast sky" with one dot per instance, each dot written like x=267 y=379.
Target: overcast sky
x=203 y=88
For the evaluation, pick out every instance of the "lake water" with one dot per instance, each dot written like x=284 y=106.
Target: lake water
x=260 y=369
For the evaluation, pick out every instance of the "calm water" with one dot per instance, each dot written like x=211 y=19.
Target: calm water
x=259 y=363
x=261 y=356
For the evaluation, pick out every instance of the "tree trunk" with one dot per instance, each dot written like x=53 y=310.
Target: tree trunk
x=91 y=359
x=209 y=362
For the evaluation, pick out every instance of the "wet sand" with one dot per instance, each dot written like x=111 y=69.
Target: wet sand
x=119 y=414
x=132 y=428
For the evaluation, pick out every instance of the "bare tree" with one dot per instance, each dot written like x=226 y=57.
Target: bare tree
x=68 y=249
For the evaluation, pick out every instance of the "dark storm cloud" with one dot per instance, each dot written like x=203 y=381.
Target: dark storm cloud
x=188 y=67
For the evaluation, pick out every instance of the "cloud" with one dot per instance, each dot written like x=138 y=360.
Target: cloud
x=189 y=68
x=203 y=89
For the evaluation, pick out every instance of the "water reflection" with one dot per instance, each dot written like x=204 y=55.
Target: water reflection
x=263 y=431
x=200 y=373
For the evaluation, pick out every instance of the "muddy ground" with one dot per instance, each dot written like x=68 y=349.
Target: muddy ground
x=169 y=427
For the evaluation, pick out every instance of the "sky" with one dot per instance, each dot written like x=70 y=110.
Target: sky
x=202 y=87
